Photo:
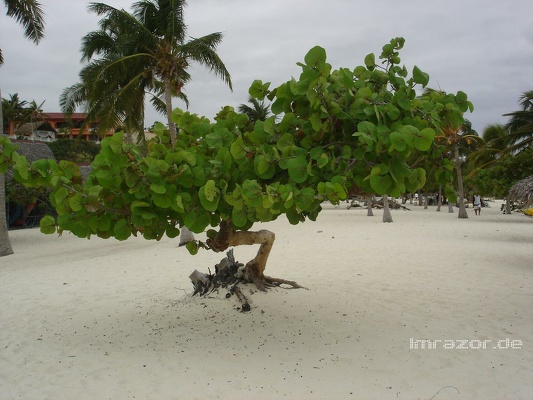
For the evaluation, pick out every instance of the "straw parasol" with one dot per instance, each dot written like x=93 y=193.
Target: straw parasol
x=522 y=191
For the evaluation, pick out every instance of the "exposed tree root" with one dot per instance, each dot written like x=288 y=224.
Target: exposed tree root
x=229 y=274
x=274 y=282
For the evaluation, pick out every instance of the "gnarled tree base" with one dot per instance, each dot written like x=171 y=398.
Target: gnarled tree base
x=229 y=274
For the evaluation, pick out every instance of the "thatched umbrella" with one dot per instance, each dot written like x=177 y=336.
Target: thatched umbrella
x=522 y=191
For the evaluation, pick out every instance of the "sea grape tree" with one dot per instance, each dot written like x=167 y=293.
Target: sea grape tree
x=330 y=130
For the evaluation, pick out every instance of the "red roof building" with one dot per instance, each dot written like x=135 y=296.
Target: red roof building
x=66 y=126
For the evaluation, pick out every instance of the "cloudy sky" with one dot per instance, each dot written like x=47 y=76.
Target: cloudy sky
x=482 y=47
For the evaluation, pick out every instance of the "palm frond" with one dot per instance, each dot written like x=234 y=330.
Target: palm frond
x=30 y=15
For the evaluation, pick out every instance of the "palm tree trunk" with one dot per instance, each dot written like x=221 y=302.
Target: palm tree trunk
x=439 y=202
x=168 y=104
x=507 y=205
x=461 y=193
x=369 y=212
x=5 y=244
x=387 y=216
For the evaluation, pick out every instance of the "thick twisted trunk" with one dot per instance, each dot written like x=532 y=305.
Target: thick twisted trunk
x=254 y=269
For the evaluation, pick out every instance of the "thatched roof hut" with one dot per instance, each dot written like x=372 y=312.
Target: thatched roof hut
x=28 y=128
x=522 y=191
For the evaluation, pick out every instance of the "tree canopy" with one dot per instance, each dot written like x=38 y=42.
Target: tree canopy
x=337 y=128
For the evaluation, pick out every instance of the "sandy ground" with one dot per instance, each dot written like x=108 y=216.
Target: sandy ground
x=101 y=319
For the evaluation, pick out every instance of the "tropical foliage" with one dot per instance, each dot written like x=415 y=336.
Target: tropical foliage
x=256 y=111
x=78 y=151
x=520 y=125
x=497 y=179
x=30 y=15
x=132 y=55
x=337 y=128
x=505 y=155
x=20 y=111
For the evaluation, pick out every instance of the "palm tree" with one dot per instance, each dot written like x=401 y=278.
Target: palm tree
x=143 y=52
x=461 y=141
x=258 y=111
x=495 y=141
x=30 y=15
x=14 y=110
x=520 y=125
x=457 y=135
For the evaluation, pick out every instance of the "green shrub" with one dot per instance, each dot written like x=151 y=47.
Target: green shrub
x=75 y=150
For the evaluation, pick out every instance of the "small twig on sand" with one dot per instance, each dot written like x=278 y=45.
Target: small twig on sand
x=444 y=387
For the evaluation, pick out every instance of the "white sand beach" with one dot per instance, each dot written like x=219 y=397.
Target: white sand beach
x=102 y=319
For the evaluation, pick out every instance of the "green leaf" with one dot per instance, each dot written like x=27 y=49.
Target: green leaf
x=218 y=138
x=105 y=178
x=197 y=220
x=420 y=77
x=192 y=247
x=48 y=225
x=397 y=141
x=269 y=126
x=158 y=188
x=305 y=199
x=104 y=222
x=61 y=195
x=239 y=217
x=316 y=58
x=424 y=139
x=416 y=179
x=238 y=149
x=172 y=232
x=131 y=178
x=264 y=168
x=252 y=193
x=366 y=127
x=381 y=184
x=209 y=196
x=162 y=200
x=75 y=202
x=116 y=142
x=258 y=90
x=450 y=193
x=121 y=230
x=297 y=169
x=370 y=61
x=188 y=157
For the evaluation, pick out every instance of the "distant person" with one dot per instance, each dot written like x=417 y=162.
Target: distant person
x=477 y=204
